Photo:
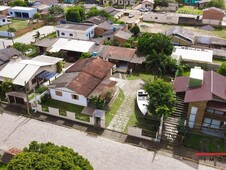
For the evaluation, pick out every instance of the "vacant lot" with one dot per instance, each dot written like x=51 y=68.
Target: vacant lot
x=162 y=28
x=17 y=24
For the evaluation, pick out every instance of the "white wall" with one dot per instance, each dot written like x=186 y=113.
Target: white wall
x=161 y=18
x=6 y=34
x=211 y=22
x=4 y=21
x=30 y=12
x=77 y=34
x=66 y=96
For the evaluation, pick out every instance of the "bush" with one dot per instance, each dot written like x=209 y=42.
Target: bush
x=45 y=98
x=11 y=29
x=97 y=102
x=41 y=89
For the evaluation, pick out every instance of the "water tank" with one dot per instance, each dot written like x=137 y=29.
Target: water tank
x=114 y=29
x=94 y=54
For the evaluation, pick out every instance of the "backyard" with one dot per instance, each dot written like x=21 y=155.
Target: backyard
x=112 y=111
x=209 y=143
x=140 y=75
x=189 y=10
x=63 y=107
x=17 y=24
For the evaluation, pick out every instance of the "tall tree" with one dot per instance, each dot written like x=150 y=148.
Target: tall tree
x=36 y=16
x=48 y=156
x=75 y=14
x=160 y=3
x=135 y=30
x=56 y=10
x=161 y=98
x=217 y=3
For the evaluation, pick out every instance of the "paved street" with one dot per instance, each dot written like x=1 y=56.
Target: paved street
x=28 y=37
x=104 y=154
x=122 y=116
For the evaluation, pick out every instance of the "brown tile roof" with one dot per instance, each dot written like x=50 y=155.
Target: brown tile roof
x=84 y=76
x=8 y=155
x=214 y=84
x=118 y=53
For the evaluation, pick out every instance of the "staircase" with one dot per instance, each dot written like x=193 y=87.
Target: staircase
x=170 y=124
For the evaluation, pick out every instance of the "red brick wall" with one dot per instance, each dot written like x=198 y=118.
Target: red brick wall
x=213 y=14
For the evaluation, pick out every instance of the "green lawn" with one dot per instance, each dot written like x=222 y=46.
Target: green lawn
x=112 y=111
x=186 y=73
x=189 y=10
x=17 y=24
x=3 y=166
x=219 y=60
x=220 y=32
x=82 y=117
x=142 y=75
x=196 y=141
x=148 y=123
x=63 y=105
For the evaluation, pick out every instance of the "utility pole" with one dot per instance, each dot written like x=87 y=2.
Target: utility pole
x=27 y=103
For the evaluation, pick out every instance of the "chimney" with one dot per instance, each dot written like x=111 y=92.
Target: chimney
x=196 y=77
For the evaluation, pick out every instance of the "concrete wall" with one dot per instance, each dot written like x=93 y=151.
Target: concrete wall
x=200 y=113
x=211 y=22
x=137 y=132
x=6 y=34
x=161 y=18
x=77 y=34
x=66 y=96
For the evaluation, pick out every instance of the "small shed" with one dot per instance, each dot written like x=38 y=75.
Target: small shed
x=22 y=12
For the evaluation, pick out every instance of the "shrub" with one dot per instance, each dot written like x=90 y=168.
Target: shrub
x=11 y=29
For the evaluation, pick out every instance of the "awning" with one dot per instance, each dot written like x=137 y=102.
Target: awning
x=46 y=75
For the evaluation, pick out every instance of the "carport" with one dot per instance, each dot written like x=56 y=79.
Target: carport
x=16 y=97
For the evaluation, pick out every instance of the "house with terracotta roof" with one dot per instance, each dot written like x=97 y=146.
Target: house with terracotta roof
x=205 y=92
x=84 y=79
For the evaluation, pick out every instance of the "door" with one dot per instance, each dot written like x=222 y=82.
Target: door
x=97 y=121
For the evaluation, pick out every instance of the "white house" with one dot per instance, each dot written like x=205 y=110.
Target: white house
x=148 y=4
x=4 y=20
x=4 y=10
x=32 y=72
x=22 y=12
x=167 y=18
x=84 y=79
x=76 y=31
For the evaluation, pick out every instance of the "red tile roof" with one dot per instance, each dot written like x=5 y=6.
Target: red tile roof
x=85 y=76
x=214 y=84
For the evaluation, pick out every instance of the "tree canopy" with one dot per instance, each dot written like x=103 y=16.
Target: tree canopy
x=161 y=98
x=217 y=3
x=159 y=42
x=56 y=10
x=17 y=3
x=21 y=47
x=135 y=30
x=222 y=69
x=161 y=3
x=75 y=14
x=48 y=156
x=95 y=12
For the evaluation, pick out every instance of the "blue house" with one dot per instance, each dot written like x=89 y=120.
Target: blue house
x=70 y=1
x=191 y=2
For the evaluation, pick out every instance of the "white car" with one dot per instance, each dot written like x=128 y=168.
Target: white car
x=131 y=15
x=144 y=10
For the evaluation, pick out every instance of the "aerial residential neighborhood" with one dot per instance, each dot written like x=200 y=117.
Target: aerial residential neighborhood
x=112 y=84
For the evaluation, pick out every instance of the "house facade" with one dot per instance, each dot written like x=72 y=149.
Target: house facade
x=75 y=31
x=22 y=12
x=213 y=16
x=205 y=93
x=4 y=20
x=83 y=80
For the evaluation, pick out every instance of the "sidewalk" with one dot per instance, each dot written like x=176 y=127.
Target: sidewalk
x=177 y=152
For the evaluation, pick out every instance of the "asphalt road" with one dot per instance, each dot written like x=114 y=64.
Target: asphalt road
x=26 y=38
x=104 y=154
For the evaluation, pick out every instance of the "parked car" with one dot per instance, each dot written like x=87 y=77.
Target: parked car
x=131 y=15
x=144 y=10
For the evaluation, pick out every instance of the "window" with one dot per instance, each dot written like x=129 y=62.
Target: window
x=217 y=112
x=3 y=20
x=71 y=35
x=74 y=96
x=58 y=93
x=33 y=81
x=156 y=17
x=92 y=32
x=11 y=13
x=192 y=117
x=62 y=33
x=87 y=35
x=207 y=122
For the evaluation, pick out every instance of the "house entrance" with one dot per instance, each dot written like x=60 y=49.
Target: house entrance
x=97 y=121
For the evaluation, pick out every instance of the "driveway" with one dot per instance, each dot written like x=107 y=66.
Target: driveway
x=104 y=154
x=28 y=37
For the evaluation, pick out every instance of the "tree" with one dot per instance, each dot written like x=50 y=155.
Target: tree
x=48 y=156
x=161 y=98
x=161 y=3
x=56 y=10
x=37 y=36
x=97 y=102
x=85 y=55
x=60 y=66
x=21 y=47
x=222 y=69
x=17 y=3
x=6 y=86
x=217 y=3
x=159 y=42
x=135 y=30
x=75 y=14
x=36 y=16
x=95 y=12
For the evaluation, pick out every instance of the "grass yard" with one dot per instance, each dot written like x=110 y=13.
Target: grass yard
x=213 y=144
x=3 y=166
x=17 y=24
x=112 y=111
x=142 y=75
x=219 y=60
x=220 y=32
x=189 y=10
x=82 y=117
x=63 y=105
x=186 y=73
x=147 y=123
